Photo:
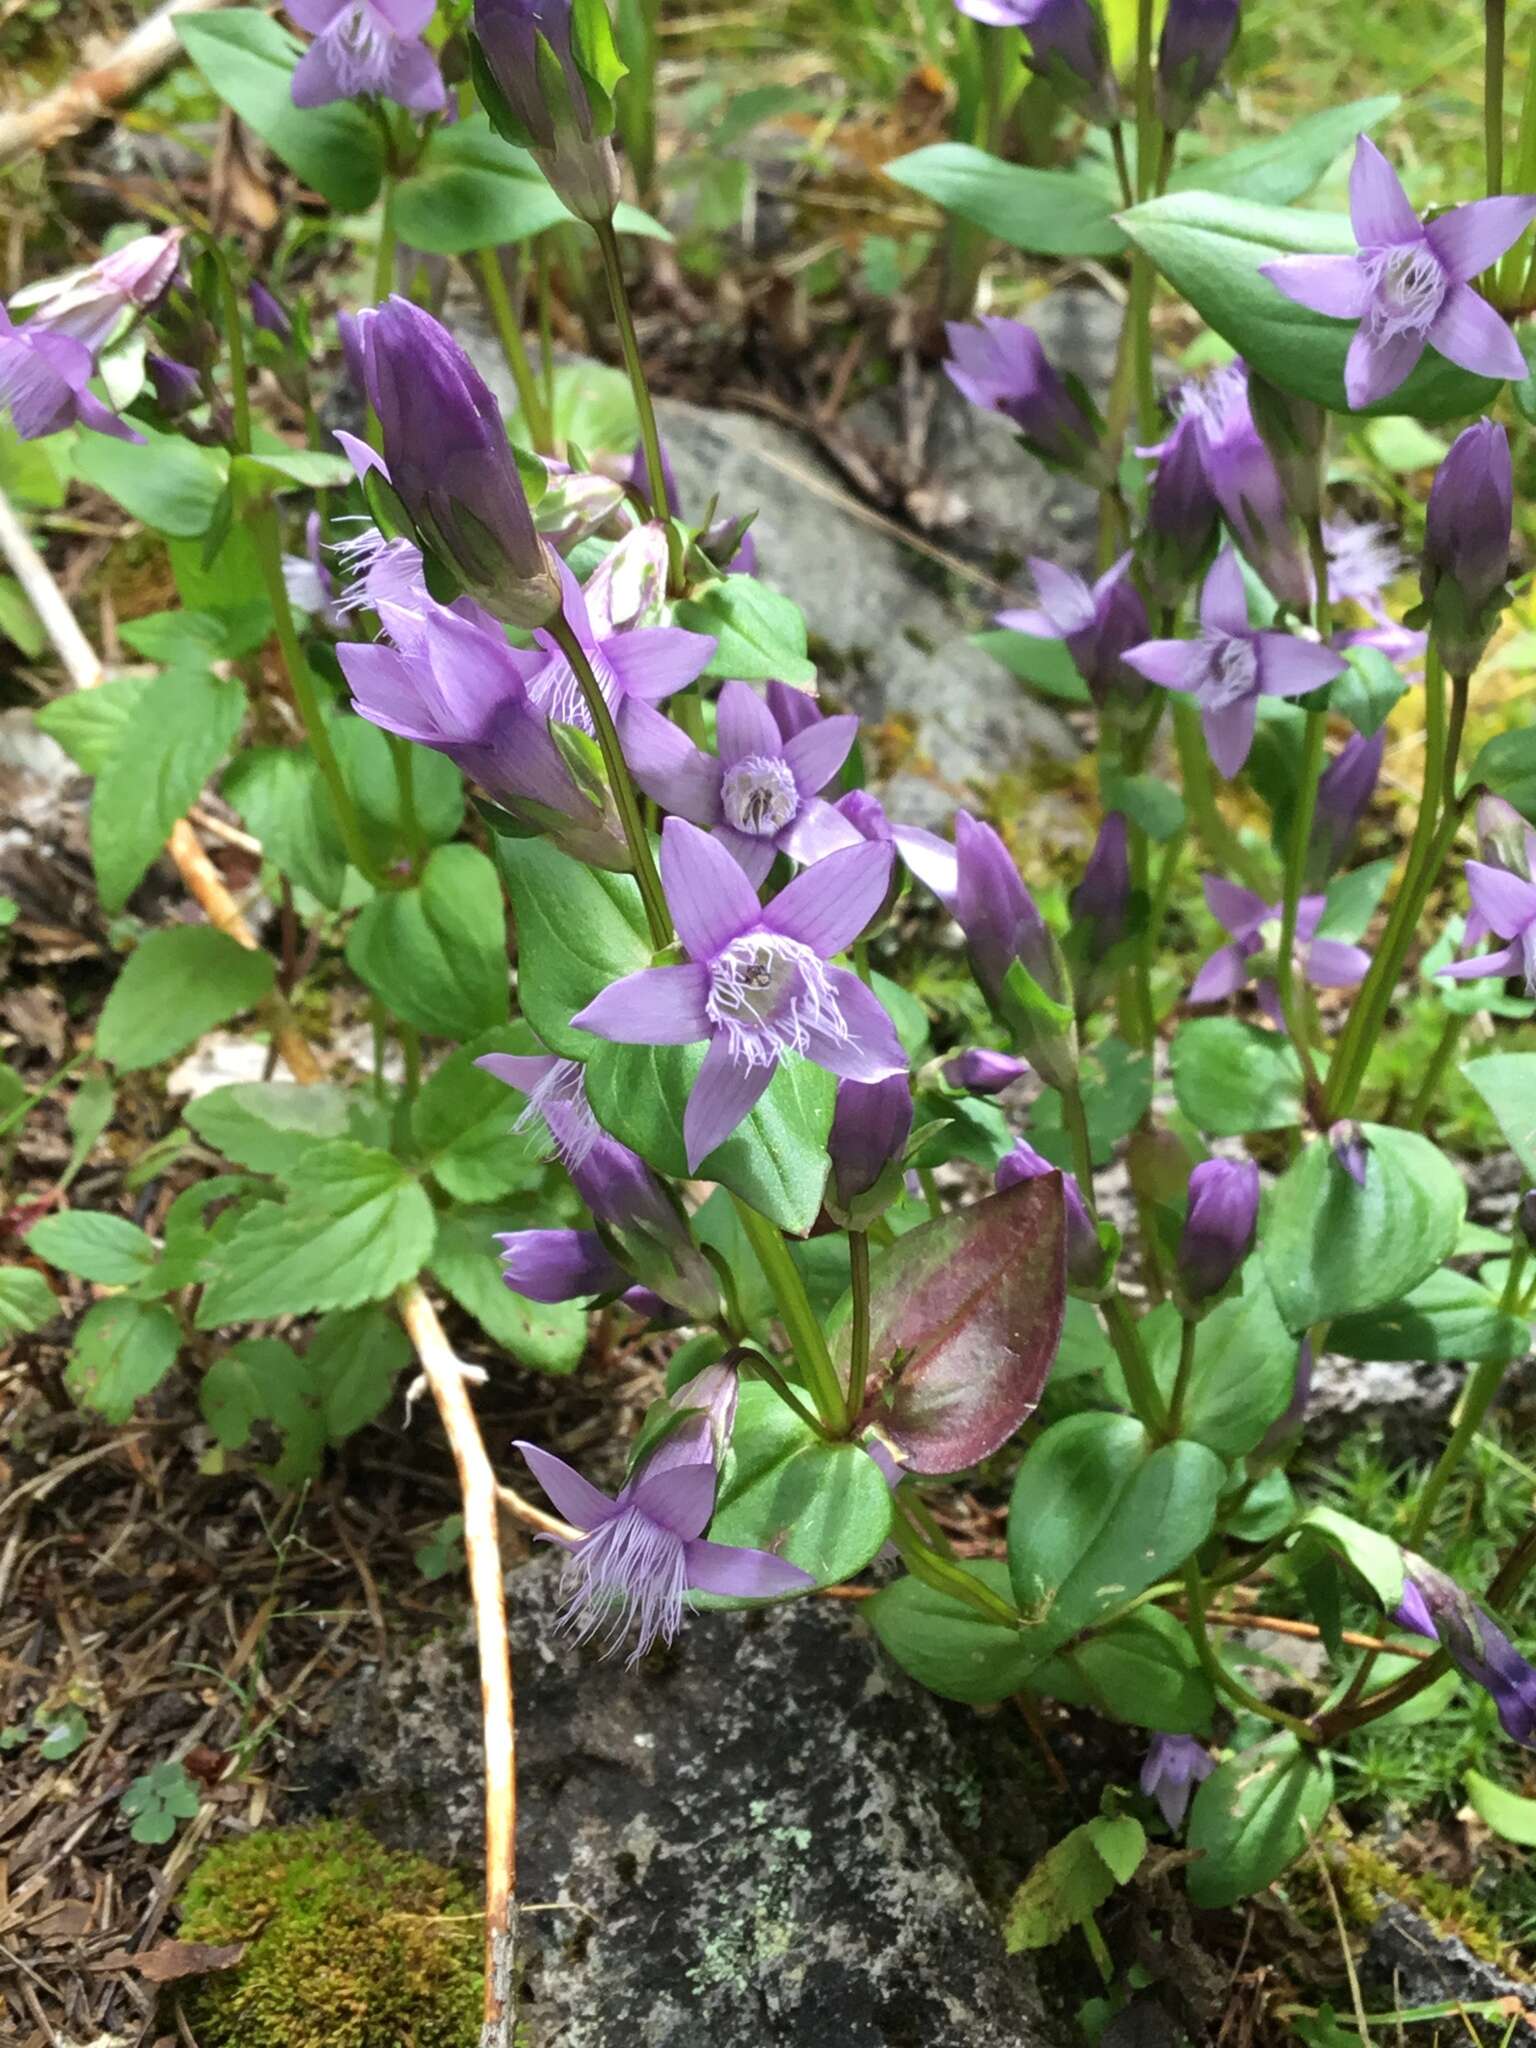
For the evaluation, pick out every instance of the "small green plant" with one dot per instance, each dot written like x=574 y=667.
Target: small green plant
x=156 y=1801
x=350 y=1944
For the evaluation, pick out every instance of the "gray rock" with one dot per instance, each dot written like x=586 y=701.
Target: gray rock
x=765 y=1836
x=1413 y=1965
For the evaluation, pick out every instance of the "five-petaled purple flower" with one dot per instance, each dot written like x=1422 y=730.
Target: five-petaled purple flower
x=1229 y=665
x=1001 y=366
x=1410 y=281
x=1250 y=953
x=634 y=667
x=762 y=794
x=43 y=380
x=1504 y=904
x=756 y=984
x=89 y=304
x=1175 y=1765
x=636 y=1558
x=1434 y=1605
x=1098 y=625
x=369 y=47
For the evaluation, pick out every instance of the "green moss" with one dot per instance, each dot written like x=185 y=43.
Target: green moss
x=351 y=1945
x=1363 y=1877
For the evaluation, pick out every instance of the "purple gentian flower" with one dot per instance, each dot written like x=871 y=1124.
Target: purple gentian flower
x=981 y=1071
x=756 y=984
x=1255 y=929
x=550 y=103
x=1351 y=1148
x=447 y=455
x=650 y=1230
x=1410 y=282
x=1246 y=484
x=1504 y=904
x=1068 y=48
x=1097 y=625
x=177 y=386
x=1434 y=1605
x=1467 y=536
x=43 y=380
x=1219 y=1225
x=1504 y=839
x=1174 y=1766
x=1101 y=902
x=88 y=304
x=635 y=1559
x=268 y=312
x=367 y=47
x=923 y=854
x=559 y=1265
x=1228 y=666
x=1085 y=1255
x=1001 y=366
x=998 y=13
x=761 y=795
x=1285 y=1426
x=1196 y=41
x=308 y=580
x=1525 y=1217
x=1344 y=793
x=870 y=1128
x=995 y=911
x=1364 y=558
x=1182 y=512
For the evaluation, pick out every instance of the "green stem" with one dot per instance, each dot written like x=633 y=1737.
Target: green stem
x=269 y=553
x=931 y=1195
x=1306 y=800
x=403 y=755
x=1439 y=1060
x=613 y=271
x=945 y=1577
x=965 y=244
x=1493 y=95
x=389 y=242
x=1471 y=1413
x=1512 y=268
x=785 y=1391
x=1460 y=686
x=657 y=915
x=805 y=1334
x=1139 y=1383
x=1148 y=143
x=542 y=258
x=239 y=388
x=410 y=1047
x=1075 y=1118
x=858 y=1371
x=1187 y=1337
x=1221 y=843
x=530 y=400
x=1141 y=966
x=1220 y=1677
x=1122 y=164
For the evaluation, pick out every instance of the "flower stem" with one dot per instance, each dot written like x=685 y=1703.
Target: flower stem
x=613 y=271
x=1306 y=800
x=858 y=1371
x=530 y=399
x=657 y=915
x=1220 y=1677
x=1493 y=95
x=806 y=1337
x=1439 y=1060
x=1187 y=1338
x=239 y=387
x=1512 y=269
x=269 y=553
x=389 y=241
x=1139 y=1383
x=945 y=1577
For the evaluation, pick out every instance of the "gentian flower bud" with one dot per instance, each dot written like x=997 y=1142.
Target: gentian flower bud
x=1295 y=431
x=1013 y=955
x=1196 y=41
x=1466 y=544
x=1344 y=793
x=1434 y=1605
x=1182 y=514
x=1085 y=1255
x=1175 y=1765
x=982 y=1071
x=1350 y=1148
x=1068 y=48
x=447 y=456
x=1246 y=485
x=268 y=312
x=1101 y=902
x=1219 y=1226
x=176 y=387
x=1001 y=366
x=545 y=70
x=90 y=304
x=870 y=1127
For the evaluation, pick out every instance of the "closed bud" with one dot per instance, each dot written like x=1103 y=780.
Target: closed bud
x=870 y=1127
x=176 y=387
x=1504 y=839
x=1196 y=41
x=1102 y=899
x=1068 y=48
x=1467 y=535
x=1001 y=366
x=1085 y=1254
x=1344 y=793
x=983 y=1072
x=1219 y=1226
x=1350 y=1149
x=1182 y=515
x=1013 y=955
x=268 y=312
x=545 y=70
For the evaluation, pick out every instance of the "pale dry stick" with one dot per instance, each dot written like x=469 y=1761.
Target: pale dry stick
x=441 y=1369
x=91 y=94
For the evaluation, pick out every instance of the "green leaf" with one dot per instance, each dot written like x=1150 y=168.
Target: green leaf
x=1447 y=1317
x=948 y=1646
x=94 y=726
x=228 y=588
x=825 y=1507
x=1146 y=800
x=443 y=1551
x=1253 y=1817
x=1375 y=1557
x=1231 y=1077
x=1047 y=213
x=184 y=725
x=1507 y=1083
x=310 y=469
x=176 y=985
x=64 y=1730
x=1142 y=1670
x=1117 y=1089
x=155 y=1802
x=271 y=1126
x=248 y=59
x=578 y=929
x=263 y=1380
x=1401 y=445
x=355 y=1227
x=1365 y=694
x=1244 y=1371
x=281 y=794
x=1352 y=901
x=776 y=1159
x=368 y=769
x=179 y=639
x=19 y=623
x=463 y=1122
x=1284 y=166
x=1210 y=248
x=437 y=952
x=1098 y=1514
x=760 y=634
x=91 y=1109
x=543 y=1336
x=354 y=1359
x=1044 y=663
x=1333 y=1248
x=169 y=484
x=26 y=1302
x=1510 y=1816
x=1072 y=1880
x=123 y=1350
x=106 y=1249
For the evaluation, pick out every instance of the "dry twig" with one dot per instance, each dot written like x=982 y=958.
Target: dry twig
x=93 y=93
